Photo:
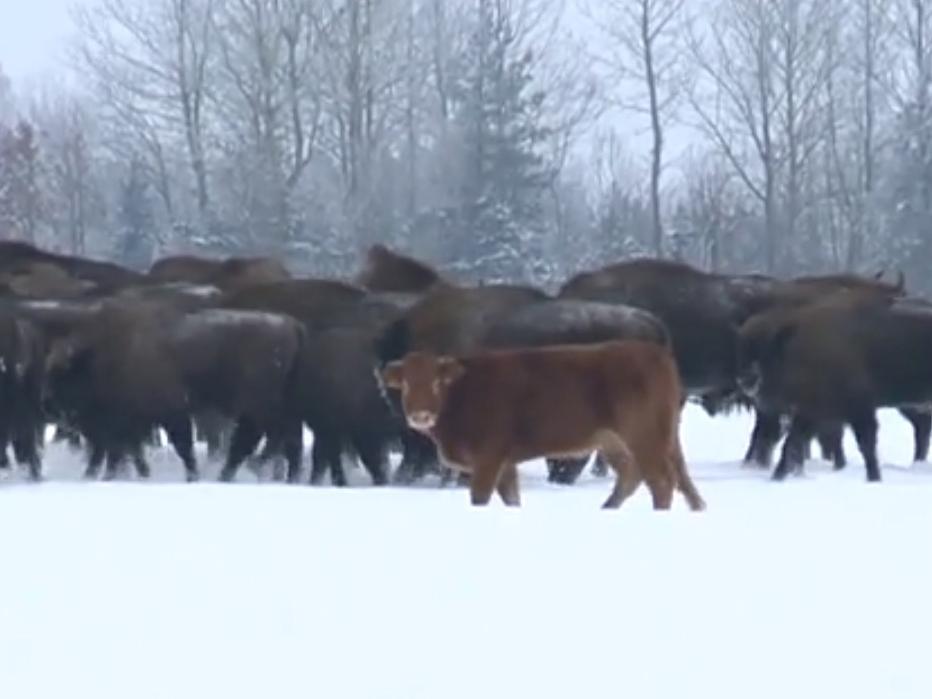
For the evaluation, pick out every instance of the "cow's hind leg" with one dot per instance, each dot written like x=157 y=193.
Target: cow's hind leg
x=657 y=470
x=508 y=485
x=864 y=424
x=484 y=480
x=627 y=474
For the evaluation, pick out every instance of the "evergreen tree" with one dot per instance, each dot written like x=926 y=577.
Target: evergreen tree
x=505 y=175
x=136 y=219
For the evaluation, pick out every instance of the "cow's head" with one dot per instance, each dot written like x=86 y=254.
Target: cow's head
x=424 y=380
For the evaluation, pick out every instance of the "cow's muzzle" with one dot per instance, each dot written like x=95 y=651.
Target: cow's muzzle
x=421 y=419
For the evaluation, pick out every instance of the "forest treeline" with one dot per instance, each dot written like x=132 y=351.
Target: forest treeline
x=494 y=138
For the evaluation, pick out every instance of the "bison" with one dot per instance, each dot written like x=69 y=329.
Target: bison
x=838 y=361
x=22 y=352
x=136 y=365
x=489 y=411
x=229 y=274
x=387 y=270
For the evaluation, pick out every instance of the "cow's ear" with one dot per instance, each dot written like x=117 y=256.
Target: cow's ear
x=393 y=374
x=449 y=369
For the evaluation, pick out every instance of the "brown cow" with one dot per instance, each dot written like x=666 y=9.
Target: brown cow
x=488 y=411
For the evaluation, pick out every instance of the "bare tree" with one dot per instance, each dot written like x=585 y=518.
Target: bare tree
x=645 y=54
x=65 y=128
x=149 y=63
x=760 y=102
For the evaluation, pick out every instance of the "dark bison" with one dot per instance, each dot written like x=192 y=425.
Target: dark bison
x=339 y=396
x=134 y=366
x=22 y=354
x=26 y=270
x=489 y=411
x=838 y=361
x=386 y=270
x=704 y=312
x=231 y=273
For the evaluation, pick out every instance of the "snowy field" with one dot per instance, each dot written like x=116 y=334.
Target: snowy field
x=817 y=587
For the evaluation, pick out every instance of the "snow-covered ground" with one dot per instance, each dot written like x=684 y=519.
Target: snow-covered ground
x=817 y=587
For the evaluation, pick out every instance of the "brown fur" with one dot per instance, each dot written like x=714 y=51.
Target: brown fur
x=229 y=274
x=489 y=411
x=387 y=270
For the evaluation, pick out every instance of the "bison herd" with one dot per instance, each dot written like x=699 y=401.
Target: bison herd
x=240 y=353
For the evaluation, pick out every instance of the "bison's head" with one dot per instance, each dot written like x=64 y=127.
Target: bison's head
x=424 y=380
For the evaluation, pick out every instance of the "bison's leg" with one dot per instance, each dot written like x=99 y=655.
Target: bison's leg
x=508 y=485
x=26 y=450
x=792 y=456
x=922 y=427
x=246 y=436
x=95 y=458
x=764 y=438
x=293 y=446
x=565 y=471
x=830 y=436
x=4 y=442
x=212 y=428
x=181 y=436
x=116 y=454
x=65 y=433
x=325 y=455
x=143 y=470
x=372 y=454
x=418 y=455
x=864 y=424
x=599 y=466
x=627 y=475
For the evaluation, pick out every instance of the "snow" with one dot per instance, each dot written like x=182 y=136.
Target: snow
x=815 y=587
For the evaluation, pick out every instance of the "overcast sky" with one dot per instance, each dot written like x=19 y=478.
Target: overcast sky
x=32 y=34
